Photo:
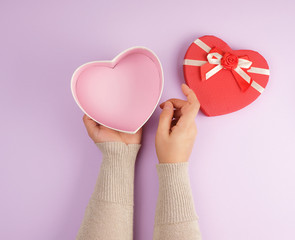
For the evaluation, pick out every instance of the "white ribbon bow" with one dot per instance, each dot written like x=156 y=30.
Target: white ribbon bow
x=215 y=58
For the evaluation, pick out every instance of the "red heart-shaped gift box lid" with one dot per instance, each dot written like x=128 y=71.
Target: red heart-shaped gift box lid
x=223 y=79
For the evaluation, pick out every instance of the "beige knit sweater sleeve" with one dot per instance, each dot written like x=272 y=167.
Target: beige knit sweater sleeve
x=109 y=213
x=176 y=217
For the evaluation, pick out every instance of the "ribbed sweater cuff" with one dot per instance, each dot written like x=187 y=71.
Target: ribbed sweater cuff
x=116 y=177
x=175 y=201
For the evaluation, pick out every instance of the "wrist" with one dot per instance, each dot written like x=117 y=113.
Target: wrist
x=117 y=149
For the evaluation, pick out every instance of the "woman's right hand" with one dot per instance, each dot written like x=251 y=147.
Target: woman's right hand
x=177 y=129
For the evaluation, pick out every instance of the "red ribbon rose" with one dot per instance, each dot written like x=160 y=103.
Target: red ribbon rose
x=229 y=61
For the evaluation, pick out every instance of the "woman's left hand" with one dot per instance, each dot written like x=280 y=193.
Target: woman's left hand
x=99 y=133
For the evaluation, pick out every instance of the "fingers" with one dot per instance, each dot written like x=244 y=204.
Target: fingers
x=188 y=108
x=177 y=113
x=173 y=122
x=189 y=93
x=184 y=114
x=189 y=117
x=177 y=103
x=192 y=99
x=166 y=118
x=89 y=123
x=185 y=111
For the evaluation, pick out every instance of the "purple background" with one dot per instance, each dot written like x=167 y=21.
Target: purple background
x=242 y=168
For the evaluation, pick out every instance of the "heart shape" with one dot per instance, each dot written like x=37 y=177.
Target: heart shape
x=225 y=89
x=121 y=94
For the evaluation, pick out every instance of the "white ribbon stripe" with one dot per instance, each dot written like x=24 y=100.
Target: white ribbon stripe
x=215 y=58
x=190 y=62
x=202 y=45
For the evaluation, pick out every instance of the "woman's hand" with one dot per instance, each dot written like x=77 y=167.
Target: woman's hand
x=99 y=133
x=177 y=129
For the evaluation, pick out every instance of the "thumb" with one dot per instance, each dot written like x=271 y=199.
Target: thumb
x=166 y=118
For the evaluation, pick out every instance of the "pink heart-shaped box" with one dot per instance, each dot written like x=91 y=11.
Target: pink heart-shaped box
x=121 y=94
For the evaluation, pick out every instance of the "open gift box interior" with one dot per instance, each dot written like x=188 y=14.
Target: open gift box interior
x=120 y=94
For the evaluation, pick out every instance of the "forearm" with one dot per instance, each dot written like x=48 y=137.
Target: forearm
x=175 y=212
x=109 y=214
